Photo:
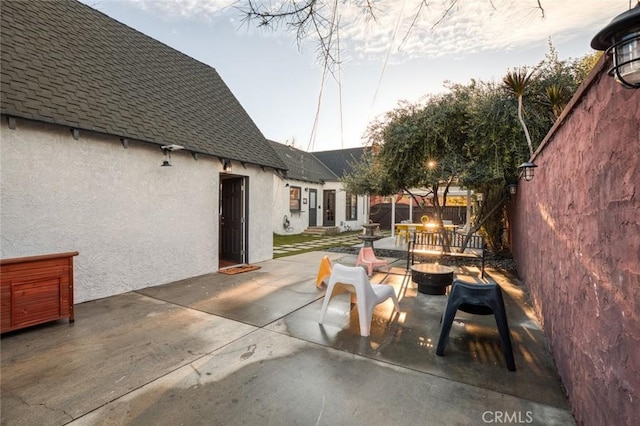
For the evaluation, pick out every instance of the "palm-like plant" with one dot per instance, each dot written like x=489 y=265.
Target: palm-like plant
x=517 y=83
x=556 y=97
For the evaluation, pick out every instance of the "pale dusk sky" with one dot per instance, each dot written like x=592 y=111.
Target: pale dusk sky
x=279 y=84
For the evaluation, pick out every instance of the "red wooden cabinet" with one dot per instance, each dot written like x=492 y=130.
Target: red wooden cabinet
x=35 y=290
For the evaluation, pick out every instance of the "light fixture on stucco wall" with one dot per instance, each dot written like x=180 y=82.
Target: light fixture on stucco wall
x=513 y=188
x=226 y=165
x=527 y=170
x=167 y=149
x=621 y=39
x=167 y=159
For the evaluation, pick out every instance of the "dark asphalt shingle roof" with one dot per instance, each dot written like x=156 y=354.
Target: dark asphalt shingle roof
x=302 y=165
x=339 y=161
x=66 y=63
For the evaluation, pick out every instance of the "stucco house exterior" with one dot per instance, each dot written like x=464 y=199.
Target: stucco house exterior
x=351 y=211
x=90 y=110
x=296 y=205
x=309 y=195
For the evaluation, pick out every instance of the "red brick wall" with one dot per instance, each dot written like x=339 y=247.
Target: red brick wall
x=576 y=241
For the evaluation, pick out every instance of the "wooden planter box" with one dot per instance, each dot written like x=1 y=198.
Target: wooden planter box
x=35 y=290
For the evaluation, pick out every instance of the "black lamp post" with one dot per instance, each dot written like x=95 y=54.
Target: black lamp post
x=621 y=38
x=527 y=169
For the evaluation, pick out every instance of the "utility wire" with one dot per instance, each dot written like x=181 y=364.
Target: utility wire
x=314 y=130
x=386 y=59
x=340 y=87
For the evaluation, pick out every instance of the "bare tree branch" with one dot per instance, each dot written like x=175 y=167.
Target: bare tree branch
x=541 y=9
x=444 y=15
x=423 y=4
x=318 y=19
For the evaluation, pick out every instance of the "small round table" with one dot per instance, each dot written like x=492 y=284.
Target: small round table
x=432 y=278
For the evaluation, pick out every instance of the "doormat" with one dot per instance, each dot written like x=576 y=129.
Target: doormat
x=238 y=269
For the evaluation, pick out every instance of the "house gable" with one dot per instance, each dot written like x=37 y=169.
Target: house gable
x=66 y=63
x=340 y=161
x=303 y=165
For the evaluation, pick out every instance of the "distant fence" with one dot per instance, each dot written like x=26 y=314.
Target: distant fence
x=381 y=213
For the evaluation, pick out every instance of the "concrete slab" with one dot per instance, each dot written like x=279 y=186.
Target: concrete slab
x=58 y=372
x=248 y=348
x=270 y=379
x=473 y=354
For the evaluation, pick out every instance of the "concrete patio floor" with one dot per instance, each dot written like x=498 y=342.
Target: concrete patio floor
x=248 y=349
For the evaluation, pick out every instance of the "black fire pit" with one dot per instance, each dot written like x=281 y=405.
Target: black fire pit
x=432 y=278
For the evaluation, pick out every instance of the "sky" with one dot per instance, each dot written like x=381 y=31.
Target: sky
x=392 y=59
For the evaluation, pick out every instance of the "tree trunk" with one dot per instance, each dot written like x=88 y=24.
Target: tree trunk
x=478 y=225
x=524 y=126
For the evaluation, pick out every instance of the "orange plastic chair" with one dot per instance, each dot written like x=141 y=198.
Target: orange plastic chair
x=367 y=257
x=324 y=272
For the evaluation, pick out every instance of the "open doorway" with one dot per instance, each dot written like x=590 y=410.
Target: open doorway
x=232 y=221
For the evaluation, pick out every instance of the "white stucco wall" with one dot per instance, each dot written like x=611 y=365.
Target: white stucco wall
x=341 y=209
x=135 y=224
x=260 y=187
x=299 y=221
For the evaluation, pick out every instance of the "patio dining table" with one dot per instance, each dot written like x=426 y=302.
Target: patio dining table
x=413 y=227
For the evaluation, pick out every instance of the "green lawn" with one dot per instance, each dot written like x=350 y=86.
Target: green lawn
x=279 y=240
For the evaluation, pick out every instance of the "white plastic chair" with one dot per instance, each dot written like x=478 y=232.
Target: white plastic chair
x=368 y=295
x=368 y=258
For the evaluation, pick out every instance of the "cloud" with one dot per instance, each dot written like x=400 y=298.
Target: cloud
x=477 y=25
x=186 y=9
x=469 y=27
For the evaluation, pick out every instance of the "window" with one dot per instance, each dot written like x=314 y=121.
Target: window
x=294 y=199
x=352 y=207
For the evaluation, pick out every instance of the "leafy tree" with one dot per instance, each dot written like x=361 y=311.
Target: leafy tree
x=419 y=146
x=470 y=136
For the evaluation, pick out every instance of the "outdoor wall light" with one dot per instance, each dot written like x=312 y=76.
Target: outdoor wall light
x=513 y=188
x=527 y=169
x=166 y=150
x=167 y=158
x=621 y=39
x=226 y=165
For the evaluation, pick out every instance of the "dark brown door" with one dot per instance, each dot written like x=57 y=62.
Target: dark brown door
x=329 y=212
x=313 y=207
x=232 y=220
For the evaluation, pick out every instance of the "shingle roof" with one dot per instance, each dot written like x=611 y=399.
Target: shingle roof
x=66 y=63
x=339 y=161
x=303 y=165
